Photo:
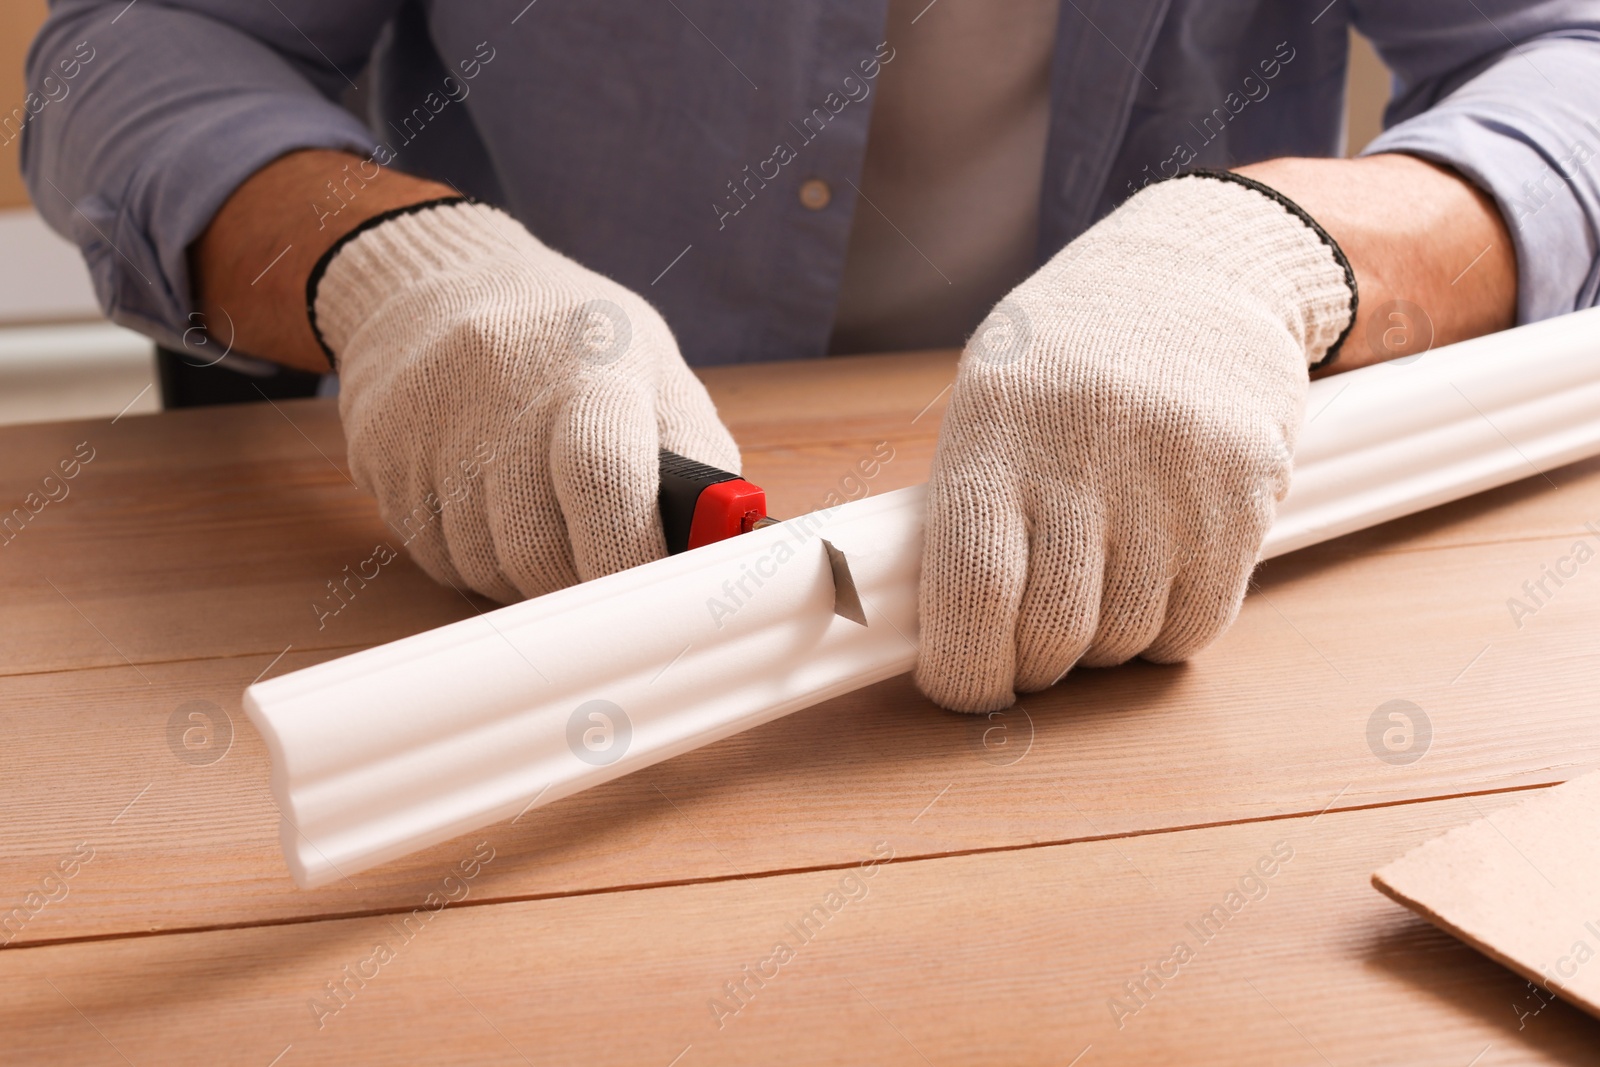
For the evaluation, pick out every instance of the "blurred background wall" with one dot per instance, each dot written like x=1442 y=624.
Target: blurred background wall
x=59 y=359
x=19 y=19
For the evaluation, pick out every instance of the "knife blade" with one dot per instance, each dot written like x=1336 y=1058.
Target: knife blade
x=701 y=504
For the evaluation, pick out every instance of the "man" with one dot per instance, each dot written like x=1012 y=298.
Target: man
x=786 y=180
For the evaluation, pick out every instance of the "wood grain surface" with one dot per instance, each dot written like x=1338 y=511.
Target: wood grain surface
x=1040 y=858
x=1048 y=955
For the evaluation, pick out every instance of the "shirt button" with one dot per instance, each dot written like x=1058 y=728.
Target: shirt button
x=815 y=194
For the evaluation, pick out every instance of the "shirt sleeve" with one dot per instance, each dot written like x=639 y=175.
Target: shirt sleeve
x=1508 y=94
x=154 y=112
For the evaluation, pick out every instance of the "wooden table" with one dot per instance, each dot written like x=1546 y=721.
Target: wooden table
x=947 y=889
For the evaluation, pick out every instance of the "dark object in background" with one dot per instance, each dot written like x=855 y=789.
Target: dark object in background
x=186 y=383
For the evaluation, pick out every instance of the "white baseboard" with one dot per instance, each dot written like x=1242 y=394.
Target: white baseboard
x=42 y=276
x=75 y=371
x=59 y=358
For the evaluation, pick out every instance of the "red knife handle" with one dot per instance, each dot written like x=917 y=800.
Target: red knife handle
x=701 y=504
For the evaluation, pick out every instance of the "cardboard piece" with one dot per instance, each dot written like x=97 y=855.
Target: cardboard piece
x=1521 y=885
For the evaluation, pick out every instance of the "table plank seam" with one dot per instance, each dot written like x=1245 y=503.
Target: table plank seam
x=182 y=660
x=360 y=646
x=753 y=876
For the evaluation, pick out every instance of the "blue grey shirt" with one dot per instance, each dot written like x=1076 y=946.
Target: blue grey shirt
x=642 y=136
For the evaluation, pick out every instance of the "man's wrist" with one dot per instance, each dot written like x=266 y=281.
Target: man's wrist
x=1430 y=251
x=249 y=268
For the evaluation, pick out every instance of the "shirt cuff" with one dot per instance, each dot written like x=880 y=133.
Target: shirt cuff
x=140 y=267
x=1539 y=178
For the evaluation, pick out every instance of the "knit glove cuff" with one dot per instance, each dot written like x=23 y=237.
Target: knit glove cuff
x=505 y=404
x=392 y=253
x=1261 y=240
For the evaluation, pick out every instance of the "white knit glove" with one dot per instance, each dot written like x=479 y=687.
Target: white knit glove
x=504 y=404
x=1121 y=430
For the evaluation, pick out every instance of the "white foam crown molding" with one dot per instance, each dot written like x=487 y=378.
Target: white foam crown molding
x=384 y=752
x=1398 y=438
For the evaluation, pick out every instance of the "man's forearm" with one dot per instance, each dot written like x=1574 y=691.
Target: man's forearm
x=1430 y=251
x=1432 y=257
x=249 y=267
